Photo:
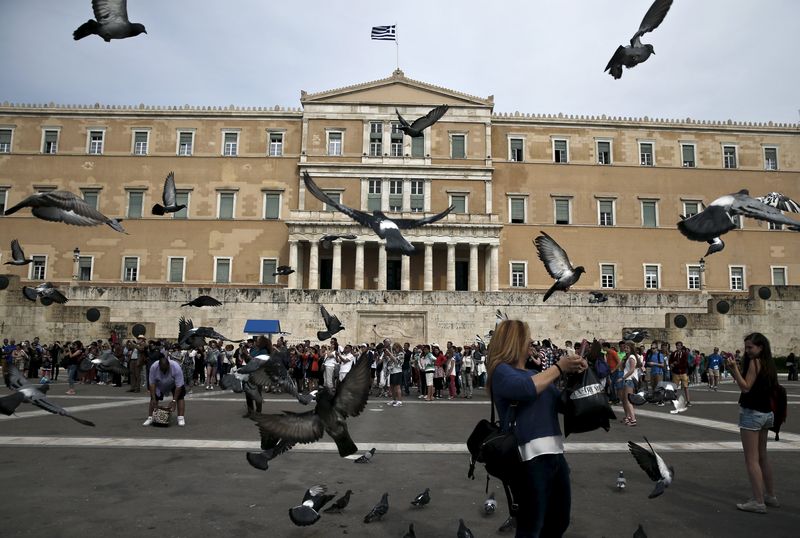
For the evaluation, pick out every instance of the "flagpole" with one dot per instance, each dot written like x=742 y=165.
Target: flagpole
x=397 y=47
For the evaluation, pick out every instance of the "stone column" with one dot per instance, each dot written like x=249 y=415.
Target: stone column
x=428 y=280
x=487 y=268
x=495 y=267
x=473 y=267
x=451 y=266
x=336 y=280
x=405 y=270
x=292 y=279
x=313 y=265
x=359 y=284
x=382 y=265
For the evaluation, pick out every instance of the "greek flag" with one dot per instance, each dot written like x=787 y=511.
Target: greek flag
x=384 y=33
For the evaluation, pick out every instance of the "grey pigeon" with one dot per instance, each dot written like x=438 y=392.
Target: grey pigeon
x=110 y=22
x=283 y=270
x=415 y=128
x=597 y=297
x=714 y=245
x=636 y=53
x=621 y=481
x=490 y=505
x=635 y=335
x=66 y=207
x=307 y=513
x=332 y=325
x=508 y=524
x=17 y=255
x=327 y=239
x=557 y=264
x=195 y=337
x=329 y=414
x=45 y=290
x=36 y=395
x=203 y=300
x=410 y=533
x=108 y=362
x=637 y=398
x=639 y=532
x=9 y=403
x=366 y=457
x=780 y=202
x=340 y=503
x=169 y=196
x=718 y=218
x=386 y=228
x=422 y=499
x=652 y=464
x=463 y=530
x=379 y=510
x=240 y=383
x=263 y=370
x=270 y=449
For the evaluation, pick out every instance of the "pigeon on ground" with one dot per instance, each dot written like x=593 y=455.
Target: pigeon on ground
x=307 y=513
x=332 y=325
x=264 y=370
x=463 y=530
x=379 y=510
x=490 y=505
x=383 y=226
x=191 y=336
x=410 y=533
x=44 y=290
x=636 y=53
x=203 y=300
x=329 y=415
x=66 y=207
x=718 y=218
x=367 y=457
x=422 y=499
x=635 y=335
x=340 y=503
x=33 y=394
x=557 y=264
x=414 y=129
x=637 y=398
x=639 y=532
x=283 y=270
x=17 y=255
x=597 y=297
x=621 y=481
x=108 y=362
x=169 y=197
x=680 y=405
x=270 y=449
x=508 y=524
x=110 y=22
x=654 y=466
x=779 y=201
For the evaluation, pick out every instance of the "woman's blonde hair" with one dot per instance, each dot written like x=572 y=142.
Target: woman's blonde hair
x=510 y=341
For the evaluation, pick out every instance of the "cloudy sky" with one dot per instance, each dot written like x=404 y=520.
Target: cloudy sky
x=541 y=56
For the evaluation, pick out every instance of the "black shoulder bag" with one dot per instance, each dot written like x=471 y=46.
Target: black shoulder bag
x=495 y=445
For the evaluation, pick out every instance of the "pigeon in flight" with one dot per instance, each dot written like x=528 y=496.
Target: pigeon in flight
x=410 y=533
x=680 y=405
x=780 y=202
x=108 y=362
x=414 y=129
x=271 y=369
x=33 y=394
x=635 y=335
x=327 y=239
x=636 y=53
x=490 y=505
x=329 y=415
x=17 y=255
x=45 y=290
x=270 y=449
x=195 y=337
x=654 y=466
x=714 y=245
x=422 y=499
x=380 y=509
x=240 y=383
x=283 y=270
x=463 y=531
x=499 y=316
x=203 y=300
x=332 y=325
x=718 y=218
x=597 y=297
x=307 y=513
x=366 y=457
x=557 y=264
x=169 y=197
x=110 y=22
x=340 y=503
x=386 y=228
x=64 y=206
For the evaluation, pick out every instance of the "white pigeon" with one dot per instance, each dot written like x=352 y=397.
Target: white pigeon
x=680 y=405
x=653 y=464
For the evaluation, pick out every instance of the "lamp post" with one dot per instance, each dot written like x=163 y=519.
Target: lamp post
x=702 y=273
x=76 y=258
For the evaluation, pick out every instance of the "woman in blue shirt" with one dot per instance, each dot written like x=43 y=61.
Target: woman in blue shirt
x=541 y=489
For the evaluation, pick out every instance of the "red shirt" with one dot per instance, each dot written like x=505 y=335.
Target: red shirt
x=612 y=359
x=679 y=361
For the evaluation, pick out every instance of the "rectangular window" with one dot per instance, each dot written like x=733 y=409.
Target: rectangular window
x=607 y=276
x=182 y=198
x=651 y=277
x=230 y=146
x=140 y=139
x=460 y=203
x=729 y=156
x=176 y=268
x=560 y=151
x=562 y=210
x=336 y=197
x=275 y=144
x=770 y=158
x=227 y=202
x=517 y=275
x=375 y=139
x=5 y=140
x=418 y=147
x=272 y=205
x=268 y=266
x=50 y=146
x=85 y=267
x=687 y=153
x=334 y=143
x=3 y=196
x=222 y=270
x=691 y=208
x=185 y=143
x=646 y=153
x=779 y=276
x=517 y=210
x=374 y=195
x=603 y=152
x=693 y=277
x=396 y=195
x=649 y=213
x=417 y=196
x=458 y=149
x=38 y=268
x=91 y=197
x=130 y=269
x=737 y=278
x=135 y=204
x=96 y=142
x=774 y=226
x=606 y=210
x=515 y=146
x=397 y=140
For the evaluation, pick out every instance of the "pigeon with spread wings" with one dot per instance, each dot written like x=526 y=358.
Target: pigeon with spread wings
x=170 y=198
x=386 y=228
x=557 y=264
x=203 y=300
x=110 y=22
x=189 y=335
x=332 y=325
x=33 y=394
x=263 y=370
x=66 y=207
x=108 y=362
x=415 y=128
x=17 y=255
x=636 y=53
x=780 y=202
x=652 y=464
x=307 y=513
x=45 y=290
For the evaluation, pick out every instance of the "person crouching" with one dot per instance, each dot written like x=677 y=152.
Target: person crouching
x=166 y=376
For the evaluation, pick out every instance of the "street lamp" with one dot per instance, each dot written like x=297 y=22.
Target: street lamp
x=702 y=273
x=76 y=254
x=76 y=258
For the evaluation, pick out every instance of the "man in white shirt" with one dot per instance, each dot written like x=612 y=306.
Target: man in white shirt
x=346 y=361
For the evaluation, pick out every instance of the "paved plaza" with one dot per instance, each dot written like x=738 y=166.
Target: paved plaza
x=122 y=479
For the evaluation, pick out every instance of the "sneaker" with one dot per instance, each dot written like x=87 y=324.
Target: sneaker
x=397 y=404
x=148 y=422
x=181 y=421
x=771 y=500
x=752 y=506
x=392 y=402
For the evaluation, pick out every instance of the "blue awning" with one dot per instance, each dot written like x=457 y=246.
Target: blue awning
x=262 y=326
